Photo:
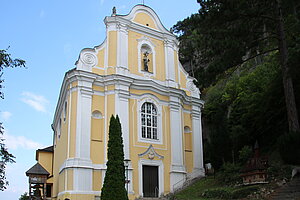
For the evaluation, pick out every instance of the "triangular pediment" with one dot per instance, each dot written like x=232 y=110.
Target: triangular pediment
x=151 y=153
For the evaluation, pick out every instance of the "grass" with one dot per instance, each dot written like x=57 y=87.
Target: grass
x=195 y=191
x=214 y=190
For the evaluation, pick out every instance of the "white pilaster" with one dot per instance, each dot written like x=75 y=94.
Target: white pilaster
x=83 y=123
x=177 y=173
x=170 y=64
x=121 y=109
x=122 y=56
x=197 y=141
x=83 y=176
x=83 y=179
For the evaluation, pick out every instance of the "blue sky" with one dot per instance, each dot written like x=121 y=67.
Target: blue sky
x=48 y=35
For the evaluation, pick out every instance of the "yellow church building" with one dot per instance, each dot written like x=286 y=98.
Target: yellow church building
x=135 y=74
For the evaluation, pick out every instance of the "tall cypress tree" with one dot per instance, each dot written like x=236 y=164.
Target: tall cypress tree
x=114 y=181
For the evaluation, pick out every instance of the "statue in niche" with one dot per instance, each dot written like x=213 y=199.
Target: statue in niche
x=146 y=61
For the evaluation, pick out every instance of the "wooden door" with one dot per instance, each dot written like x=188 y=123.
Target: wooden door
x=150 y=181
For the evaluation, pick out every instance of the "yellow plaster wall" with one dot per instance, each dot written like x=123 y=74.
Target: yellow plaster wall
x=133 y=55
x=188 y=142
x=74 y=84
x=100 y=56
x=145 y=19
x=112 y=48
x=97 y=177
x=98 y=88
x=189 y=161
x=176 y=66
x=60 y=155
x=61 y=183
x=97 y=128
x=45 y=159
x=61 y=147
x=73 y=114
x=140 y=147
x=98 y=71
x=100 y=64
x=77 y=196
x=142 y=92
x=70 y=179
x=133 y=52
x=182 y=80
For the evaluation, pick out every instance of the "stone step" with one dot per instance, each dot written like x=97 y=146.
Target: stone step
x=290 y=191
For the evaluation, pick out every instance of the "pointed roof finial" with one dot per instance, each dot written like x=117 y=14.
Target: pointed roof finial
x=114 y=11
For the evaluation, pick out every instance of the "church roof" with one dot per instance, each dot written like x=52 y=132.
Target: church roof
x=47 y=149
x=38 y=170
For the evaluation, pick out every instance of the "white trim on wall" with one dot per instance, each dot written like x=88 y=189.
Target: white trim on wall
x=160 y=165
x=151 y=99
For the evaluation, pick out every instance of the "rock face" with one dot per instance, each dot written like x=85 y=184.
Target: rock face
x=290 y=191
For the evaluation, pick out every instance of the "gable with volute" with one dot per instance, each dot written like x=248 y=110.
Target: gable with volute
x=139 y=46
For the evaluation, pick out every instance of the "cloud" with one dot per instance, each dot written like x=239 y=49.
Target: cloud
x=15 y=142
x=5 y=115
x=37 y=102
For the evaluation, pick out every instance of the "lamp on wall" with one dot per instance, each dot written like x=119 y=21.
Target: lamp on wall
x=126 y=163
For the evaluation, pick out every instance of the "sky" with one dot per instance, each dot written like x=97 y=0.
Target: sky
x=49 y=35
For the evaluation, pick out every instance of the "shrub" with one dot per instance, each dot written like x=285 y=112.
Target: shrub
x=229 y=174
x=244 y=154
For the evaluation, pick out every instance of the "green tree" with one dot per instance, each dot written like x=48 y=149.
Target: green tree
x=114 y=181
x=24 y=196
x=226 y=34
x=5 y=62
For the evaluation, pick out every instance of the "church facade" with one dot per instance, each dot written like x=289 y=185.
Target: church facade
x=135 y=74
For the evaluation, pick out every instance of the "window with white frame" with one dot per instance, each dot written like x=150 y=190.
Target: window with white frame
x=149 y=121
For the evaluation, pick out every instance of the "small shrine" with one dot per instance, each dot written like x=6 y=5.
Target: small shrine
x=37 y=182
x=255 y=170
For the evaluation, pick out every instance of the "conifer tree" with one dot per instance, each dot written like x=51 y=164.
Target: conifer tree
x=114 y=181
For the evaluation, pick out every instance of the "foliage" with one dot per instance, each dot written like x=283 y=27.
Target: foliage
x=279 y=171
x=114 y=181
x=5 y=62
x=24 y=196
x=226 y=34
x=229 y=174
x=246 y=106
x=5 y=157
x=244 y=154
x=289 y=148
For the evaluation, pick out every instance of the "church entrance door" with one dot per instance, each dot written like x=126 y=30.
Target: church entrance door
x=150 y=181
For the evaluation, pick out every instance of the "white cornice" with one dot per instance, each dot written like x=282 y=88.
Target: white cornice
x=136 y=82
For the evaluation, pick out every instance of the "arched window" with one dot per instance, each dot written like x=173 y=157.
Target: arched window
x=149 y=121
